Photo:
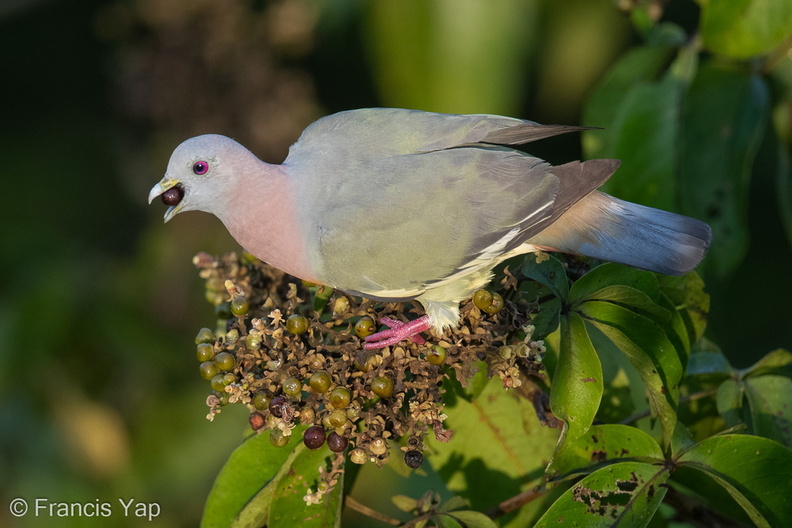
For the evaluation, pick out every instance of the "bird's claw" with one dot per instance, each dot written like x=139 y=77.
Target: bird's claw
x=397 y=331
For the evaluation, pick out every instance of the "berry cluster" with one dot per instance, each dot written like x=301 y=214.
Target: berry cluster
x=292 y=353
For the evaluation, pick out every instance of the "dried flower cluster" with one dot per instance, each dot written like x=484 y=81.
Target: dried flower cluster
x=292 y=353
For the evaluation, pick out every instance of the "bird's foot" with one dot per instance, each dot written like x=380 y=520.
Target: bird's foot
x=398 y=331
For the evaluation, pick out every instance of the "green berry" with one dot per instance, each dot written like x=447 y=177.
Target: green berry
x=223 y=310
x=482 y=299
x=239 y=306
x=365 y=327
x=223 y=397
x=319 y=382
x=337 y=418
x=225 y=361
x=340 y=397
x=296 y=324
x=204 y=352
x=292 y=387
x=217 y=383
x=204 y=336
x=261 y=401
x=229 y=378
x=340 y=305
x=382 y=386
x=336 y=442
x=208 y=370
x=277 y=438
x=253 y=341
x=496 y=305
x=314 y=437
x=436 y=355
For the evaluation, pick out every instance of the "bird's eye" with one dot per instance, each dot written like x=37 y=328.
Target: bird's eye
x=200 y=167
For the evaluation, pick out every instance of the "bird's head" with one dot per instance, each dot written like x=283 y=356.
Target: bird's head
x=199 y=175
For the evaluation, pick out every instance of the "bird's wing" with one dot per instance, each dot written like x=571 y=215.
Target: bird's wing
x=379 y=132
x=391 y=226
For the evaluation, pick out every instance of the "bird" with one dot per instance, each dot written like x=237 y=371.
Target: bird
x=395 y=204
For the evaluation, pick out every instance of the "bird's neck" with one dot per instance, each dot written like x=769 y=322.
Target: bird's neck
x=260 y=215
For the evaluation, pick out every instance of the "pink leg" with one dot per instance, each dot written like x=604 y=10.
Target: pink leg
x=397 y=331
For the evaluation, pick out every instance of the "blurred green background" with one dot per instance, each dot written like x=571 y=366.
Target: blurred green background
x=100 y=397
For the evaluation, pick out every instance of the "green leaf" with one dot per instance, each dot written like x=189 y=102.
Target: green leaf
x=577 y=382
x=648 y=349
x=610 y=274
x=625 y=494
x=693 y=303
x=499 y=450
x=729 y=400
x=754 y=470
x=249 y=476
x=604 y=444
x=770 y=401
x=779 y=361
x=404 y=503
x=638 y=67
x=723 y=120
x=420 y=61
x=745 y=28
x=471 y=519
x=550 y=273
x=289 y=508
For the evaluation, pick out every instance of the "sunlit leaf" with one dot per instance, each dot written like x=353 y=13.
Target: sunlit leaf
x=625 y=494
x=577 y=382
x=744 y=28
x=723 y=120
x=754 y=470
x=289 y=507
x=605 y=444
x=648 y=349
x=779 y=361
x=610 y=274
x=248 y=478
x=499 y=449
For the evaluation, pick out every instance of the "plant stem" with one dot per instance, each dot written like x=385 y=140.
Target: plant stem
x=369 y=512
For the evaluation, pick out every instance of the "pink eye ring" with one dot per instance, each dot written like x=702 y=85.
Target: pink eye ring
x=200 y=167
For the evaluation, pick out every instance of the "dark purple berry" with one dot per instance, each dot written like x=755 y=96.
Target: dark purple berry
x=172 y=196
x=413 y=458
x=314 y=437
x=336 y=442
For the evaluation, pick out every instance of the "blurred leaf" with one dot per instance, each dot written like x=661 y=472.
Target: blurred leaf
x=625 y=494
x=550 y=273
x=577 y=382
x=723 y=121
x=404 y=503
x=705 y=363
x=288 y=507
x=730 y=402
x=643 y=132
x=779 y=361
x=770 y=401
x=754 y=470
x=745 y=28
x=648 y=349
x=784 y=184
x=247 y=482
x=604 y=444
x=693 y=303
x=470 y=519
x=639 y=66
x=499 y=450
x=458 y=56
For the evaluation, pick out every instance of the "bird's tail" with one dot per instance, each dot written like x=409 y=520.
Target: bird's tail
x=604 y=227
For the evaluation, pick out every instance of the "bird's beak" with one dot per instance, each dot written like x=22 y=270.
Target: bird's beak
x=165 y=184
